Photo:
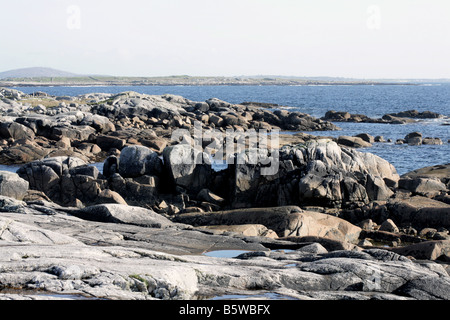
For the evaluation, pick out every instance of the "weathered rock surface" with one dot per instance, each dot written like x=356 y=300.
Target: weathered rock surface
x=316 y=173
x=285 y=221
x=428 y=250
x=62 y=179
x=420 y=212
x=138 y=230
x=114 y=261
x=187 y=167
x=441 y=172
x=129 y=118
x=119 y=213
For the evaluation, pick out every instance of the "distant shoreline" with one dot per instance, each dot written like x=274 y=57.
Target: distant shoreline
x=126 y=84
x=184 y=81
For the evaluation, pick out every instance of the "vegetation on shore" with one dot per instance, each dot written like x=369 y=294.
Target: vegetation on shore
x=181 y=80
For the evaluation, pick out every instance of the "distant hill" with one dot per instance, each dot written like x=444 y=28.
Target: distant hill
x=36 y=72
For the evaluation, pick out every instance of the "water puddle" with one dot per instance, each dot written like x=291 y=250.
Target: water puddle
x=264 y=296
x=225 y=253
x=10 y=168
x=290 y=265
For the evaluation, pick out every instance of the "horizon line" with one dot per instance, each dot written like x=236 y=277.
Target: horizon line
x=275 y=76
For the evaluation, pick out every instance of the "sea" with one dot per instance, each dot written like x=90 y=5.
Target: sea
x=371 y=100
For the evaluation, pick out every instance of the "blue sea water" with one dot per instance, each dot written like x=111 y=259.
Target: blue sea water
x=371 y=100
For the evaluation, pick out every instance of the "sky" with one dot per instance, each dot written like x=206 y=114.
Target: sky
x=371 y=39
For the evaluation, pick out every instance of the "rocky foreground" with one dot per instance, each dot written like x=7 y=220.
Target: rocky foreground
x=331 y=223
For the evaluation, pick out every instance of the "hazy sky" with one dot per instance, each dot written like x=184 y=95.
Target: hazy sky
x=344 y=38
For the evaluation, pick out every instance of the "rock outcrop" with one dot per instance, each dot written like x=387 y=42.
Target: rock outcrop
x=348 y=226
x=77 y=258
x=316 y=173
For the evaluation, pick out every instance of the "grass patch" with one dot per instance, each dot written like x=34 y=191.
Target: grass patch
x=48 y=102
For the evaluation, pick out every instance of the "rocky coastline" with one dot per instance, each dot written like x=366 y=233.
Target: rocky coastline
x=330 y=223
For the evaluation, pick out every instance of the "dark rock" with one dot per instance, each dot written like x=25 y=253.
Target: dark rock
x=414 y=138
x=110 y=142
x=366 y=137
x=137 y=161
x=419 y=212
x=353 y=142
x=417 y=114
x=316 y=173
x=16 y=131
x=427 y=288
x=428 y=187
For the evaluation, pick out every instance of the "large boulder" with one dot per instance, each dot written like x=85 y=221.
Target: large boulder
x=314 y=173
x=285 y=221
x=136 y=161
x=11 y=185
x=25 y=152
x=419 y=212
x=120 y=213
x=63 y=179
x=187 y=167
x=16 y=131
x=414 y=138
x=428 y=187
x=353 y=142
x=441 y=172
x=132 y=104
x=427 y=250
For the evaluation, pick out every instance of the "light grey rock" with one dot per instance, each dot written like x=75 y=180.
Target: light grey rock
x=317 y=173
x=13 y=232
x=432 y=141
x=120 y=213
x=12 y=185
x=133 y=104
x=61 y=254
x=187 y=167
x=8 y=204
